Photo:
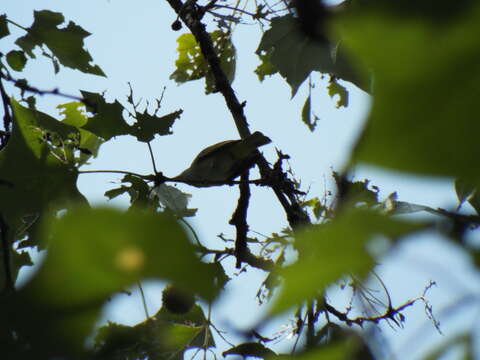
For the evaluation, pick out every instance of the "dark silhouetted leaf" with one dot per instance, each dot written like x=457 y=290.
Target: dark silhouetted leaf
x=66 y=44
x=108 y=119
x=147 y=126
x=295 y=55
x=250 y=349
x=17 y=60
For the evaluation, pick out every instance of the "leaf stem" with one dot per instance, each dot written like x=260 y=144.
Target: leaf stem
x=17 y=25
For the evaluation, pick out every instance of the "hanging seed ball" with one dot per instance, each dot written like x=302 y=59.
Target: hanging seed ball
x=176 y=300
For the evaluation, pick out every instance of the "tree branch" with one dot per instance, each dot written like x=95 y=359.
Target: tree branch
x=24 y=87
x=191 y=15
x=239 y=220
x=7 y=117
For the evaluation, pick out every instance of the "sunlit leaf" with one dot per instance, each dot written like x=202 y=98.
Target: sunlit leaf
x=265 y=68
x=66 y=43
x=32 y=177
x=191 y=65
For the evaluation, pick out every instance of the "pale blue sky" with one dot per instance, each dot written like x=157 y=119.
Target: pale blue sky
x=134 y=43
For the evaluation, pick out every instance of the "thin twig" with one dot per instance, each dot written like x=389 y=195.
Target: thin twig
x=114 y=172
x=144 y=301
x=152 y=157
x=23 y=86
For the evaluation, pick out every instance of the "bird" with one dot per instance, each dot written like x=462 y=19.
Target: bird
x=223 y=162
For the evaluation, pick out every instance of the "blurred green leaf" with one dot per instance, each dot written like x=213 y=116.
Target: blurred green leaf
x=17 y=60
x=326 y=352
x=66 y=44
x=295 y=55
x=332 y=250
x=464 y=340
x=101 y=251
x=425 y=80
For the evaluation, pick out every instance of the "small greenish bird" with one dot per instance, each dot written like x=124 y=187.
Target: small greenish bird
x=223 y=162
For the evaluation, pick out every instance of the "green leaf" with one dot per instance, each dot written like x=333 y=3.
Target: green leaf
x=66 y=44
x=307 y=114
x=465 y=341
x=253 y=349
x=32 y=176
x=326 y=352
x=425 y=98
x=108 y=120
x=74 y=115
x=17 y=60
x=174 y=200
x=156 y=338
x=101 y=251
x=334 y=249
x=147 y=126
x=139 y=191
x=295 y=55
x=334 y=88
x=113 y=193
x=265 y=68
x=191 y=65
x=3 y=26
